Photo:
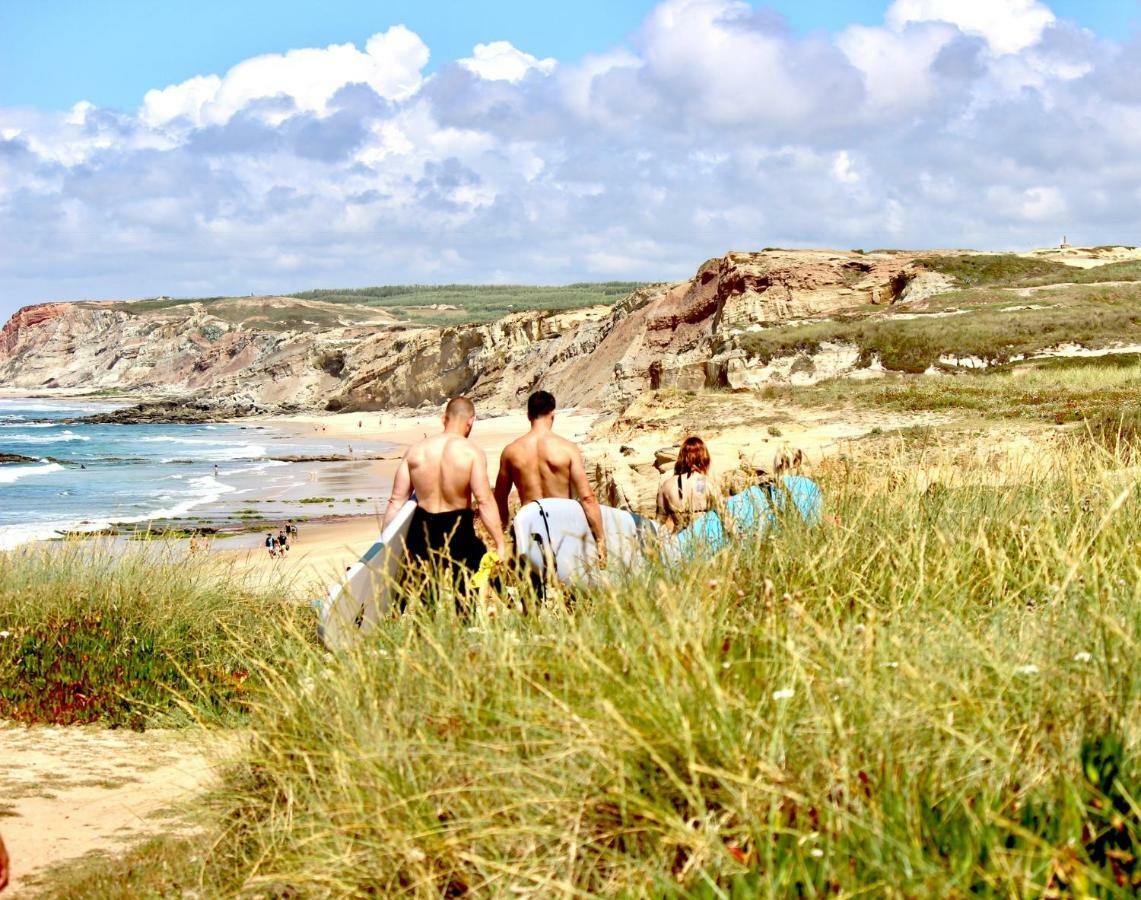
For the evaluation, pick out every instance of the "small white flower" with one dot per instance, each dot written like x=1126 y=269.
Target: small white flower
x=416 y=855
x=725 y=665
x=860 y=627
x=843 y=682
x=816 y=853
x=1083 y=657
x=891 y=665
x=5 y=634
x=783 y=694
x=1029 y=669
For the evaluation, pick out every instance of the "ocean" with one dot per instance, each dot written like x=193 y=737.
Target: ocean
x=87 y=477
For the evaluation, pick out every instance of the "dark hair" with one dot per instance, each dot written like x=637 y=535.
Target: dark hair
x=459 y=408
x=693 y=457
x=539 y=404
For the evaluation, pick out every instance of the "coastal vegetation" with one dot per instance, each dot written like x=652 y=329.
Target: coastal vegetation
x=453 y=304
x=138 y=638
x=1103 y=390
x=427 y=304
x=935 y=694
x=989 y=325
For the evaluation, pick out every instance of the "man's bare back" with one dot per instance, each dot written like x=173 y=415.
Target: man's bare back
x=541 y=464
x=440 y=471
x=446 y=471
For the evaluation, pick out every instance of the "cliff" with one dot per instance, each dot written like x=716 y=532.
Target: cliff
x=255 y=353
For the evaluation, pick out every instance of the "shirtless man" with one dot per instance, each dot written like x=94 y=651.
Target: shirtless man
x=541 y=464
x=446 y=471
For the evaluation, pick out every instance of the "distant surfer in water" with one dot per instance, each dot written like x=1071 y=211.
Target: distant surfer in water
x=541 y=464
x=447 y=471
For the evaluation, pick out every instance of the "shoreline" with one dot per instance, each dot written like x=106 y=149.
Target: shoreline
x=337 y=498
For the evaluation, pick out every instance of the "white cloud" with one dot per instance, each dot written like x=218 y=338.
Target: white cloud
x=711 y=128
x=390 y=65
x=1007 y=25
x=180 y=101
x=723 y=64
x=842 y=169
x=896 y=67
x=500 y=61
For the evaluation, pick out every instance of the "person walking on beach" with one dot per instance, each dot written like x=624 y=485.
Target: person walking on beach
x=282 y=541
x=541 y=464
x=291 y=531
x=690 y=490
x=447 y=471
x=271 y=545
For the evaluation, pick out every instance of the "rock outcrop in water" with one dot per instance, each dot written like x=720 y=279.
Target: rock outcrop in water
x=248 y=355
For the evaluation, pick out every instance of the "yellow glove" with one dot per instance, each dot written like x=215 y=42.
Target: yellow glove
x=487 y=567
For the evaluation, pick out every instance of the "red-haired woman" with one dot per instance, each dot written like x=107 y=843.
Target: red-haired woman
x=690 y=490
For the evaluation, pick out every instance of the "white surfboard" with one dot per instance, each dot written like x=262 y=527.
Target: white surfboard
x=357 y=603
x=556 y=532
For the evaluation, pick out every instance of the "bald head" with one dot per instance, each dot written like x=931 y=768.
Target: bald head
x=459 y=409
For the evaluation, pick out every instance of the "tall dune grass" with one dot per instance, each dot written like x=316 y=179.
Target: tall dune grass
x=130 y=636
x=937 y=696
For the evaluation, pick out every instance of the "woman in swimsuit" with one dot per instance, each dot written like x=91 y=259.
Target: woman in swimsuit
x=690 y=490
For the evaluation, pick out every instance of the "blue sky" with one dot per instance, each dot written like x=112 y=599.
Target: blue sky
x=227 y=148
x=56 y=52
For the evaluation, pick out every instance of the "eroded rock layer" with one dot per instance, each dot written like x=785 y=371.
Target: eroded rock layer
x=256 y=353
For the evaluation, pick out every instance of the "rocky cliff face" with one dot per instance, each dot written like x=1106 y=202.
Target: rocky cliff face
x=281 y=353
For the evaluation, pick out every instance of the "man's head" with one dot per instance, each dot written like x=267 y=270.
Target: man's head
x=540 y=405
x=459 y=415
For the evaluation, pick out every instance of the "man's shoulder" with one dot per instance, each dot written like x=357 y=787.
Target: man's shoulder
x=465 y=446
x=560 y=444
x=512 y=451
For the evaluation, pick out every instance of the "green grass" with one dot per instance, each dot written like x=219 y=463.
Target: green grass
x=1089 y=316
x=145 y=637
x=475 y=303
x=1060 y=391
x=1009 y=270
x=936 y=695
x=159 y=867
x=1127 y=270
x=411 y=304
x=923 y=701
x=995 y=269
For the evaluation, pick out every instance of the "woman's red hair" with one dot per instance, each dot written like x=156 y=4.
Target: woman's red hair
x=693 y=457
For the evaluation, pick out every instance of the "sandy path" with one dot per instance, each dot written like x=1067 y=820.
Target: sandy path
x=69 y=792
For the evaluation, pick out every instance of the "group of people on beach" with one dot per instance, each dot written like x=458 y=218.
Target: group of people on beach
x=448 y=474
x=278 y=544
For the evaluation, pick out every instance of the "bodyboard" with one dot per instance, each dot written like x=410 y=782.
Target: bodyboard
x=554 y=532
x=753 y=511
x=356 y=603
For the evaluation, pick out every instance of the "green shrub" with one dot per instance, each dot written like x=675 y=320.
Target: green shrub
x=1089 y=316
x=129 y=637
x=996 y=269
